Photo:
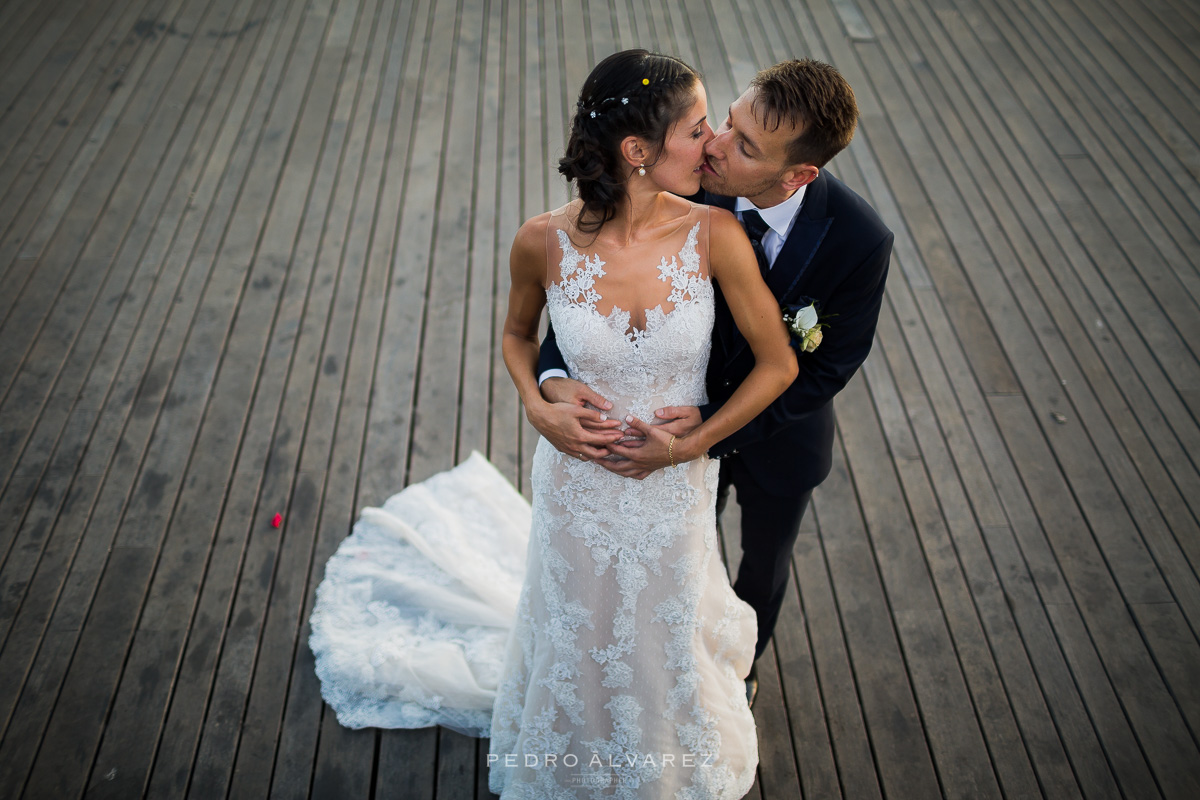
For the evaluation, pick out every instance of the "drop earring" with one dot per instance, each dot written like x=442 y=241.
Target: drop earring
x=642 y=170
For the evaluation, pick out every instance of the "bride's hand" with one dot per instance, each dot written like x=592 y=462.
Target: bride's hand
x=658 y=449
x=678 y=420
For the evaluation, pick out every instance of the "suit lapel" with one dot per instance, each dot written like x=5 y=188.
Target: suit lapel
x=723 y=325
x=794 y=259
x=802 y=243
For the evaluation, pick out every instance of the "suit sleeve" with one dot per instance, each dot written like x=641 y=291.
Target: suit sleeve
x=549 y=356
x=851 y=314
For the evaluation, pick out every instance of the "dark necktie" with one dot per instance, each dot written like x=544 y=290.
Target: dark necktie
x=756 y=228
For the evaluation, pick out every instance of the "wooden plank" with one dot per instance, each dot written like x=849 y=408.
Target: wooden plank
x=439 y=344
x=1136 y=573
x=342 y=767
x=145 y=521
x=95 y=544
x=952 y=543
x=1170 y=110
x=270 y=443
x=13 y=19
x=1089 y=360
x=1180 y=577
x=1106 y=515
x=950 y=722
x=55 y=196
x=1149 y=266
x=745 y=51
x=392 y=453
x=295 y=755
x=32 y=189
x=849 y=737
x=31 y=113
x=119 y=409
x=80 y=237
x=1150 y=193
x=1152 y=713
x=479 y=346
x=265 y=708
x=403 y=254
x=407 y=763
x=57 y=442
x=1029 y=573
x=1076 y=215
x=127 y=421
x=1048 y=288
x=805 y=710
x=506 y=412
x=1177 y=21
x=902 y=756
x=25 y=52
x=205 y=629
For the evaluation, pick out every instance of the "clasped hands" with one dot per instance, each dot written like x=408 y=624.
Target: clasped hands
x=575 y=421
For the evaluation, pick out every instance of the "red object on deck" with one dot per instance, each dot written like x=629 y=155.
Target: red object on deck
x=276 y=520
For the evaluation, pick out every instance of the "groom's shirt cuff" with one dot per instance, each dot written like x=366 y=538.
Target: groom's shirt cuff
x=552 y=373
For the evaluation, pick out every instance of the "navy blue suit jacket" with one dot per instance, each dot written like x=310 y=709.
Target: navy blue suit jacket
x=836 y=255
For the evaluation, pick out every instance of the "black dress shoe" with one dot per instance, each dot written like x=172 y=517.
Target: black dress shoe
x=751 y=686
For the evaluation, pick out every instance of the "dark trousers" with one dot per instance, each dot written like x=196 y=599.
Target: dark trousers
x=770 y=524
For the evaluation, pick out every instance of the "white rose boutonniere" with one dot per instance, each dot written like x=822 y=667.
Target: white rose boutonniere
x=804 y=326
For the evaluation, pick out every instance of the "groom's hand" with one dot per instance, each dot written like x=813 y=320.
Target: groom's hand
x=578 y=393
x=573 y=420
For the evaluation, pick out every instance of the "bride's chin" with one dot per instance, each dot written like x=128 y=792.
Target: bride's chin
x=687 y=188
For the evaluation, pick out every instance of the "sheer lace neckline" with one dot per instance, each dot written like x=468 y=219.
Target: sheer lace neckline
x=579 y=274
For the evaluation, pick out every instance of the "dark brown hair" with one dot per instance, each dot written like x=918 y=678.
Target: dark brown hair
x=630 y=93
x=814 y=97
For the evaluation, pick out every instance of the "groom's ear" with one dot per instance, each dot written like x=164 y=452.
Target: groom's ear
x=799 y=175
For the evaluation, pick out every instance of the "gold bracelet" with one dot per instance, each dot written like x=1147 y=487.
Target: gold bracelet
x=671 y=451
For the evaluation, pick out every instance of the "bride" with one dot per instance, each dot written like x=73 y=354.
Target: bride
x=622 y=671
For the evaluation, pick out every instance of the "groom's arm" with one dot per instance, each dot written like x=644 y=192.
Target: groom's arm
x=852 y=314
x=550 y=359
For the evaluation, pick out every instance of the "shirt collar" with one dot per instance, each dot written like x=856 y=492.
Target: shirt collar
x=779 y=217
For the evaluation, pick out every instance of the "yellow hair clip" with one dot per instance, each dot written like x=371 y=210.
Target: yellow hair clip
x=645 y=81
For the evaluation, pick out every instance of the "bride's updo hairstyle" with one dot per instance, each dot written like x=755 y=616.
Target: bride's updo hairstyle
x=630 y=93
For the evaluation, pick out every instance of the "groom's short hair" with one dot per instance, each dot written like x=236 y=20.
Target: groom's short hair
x=814 y=97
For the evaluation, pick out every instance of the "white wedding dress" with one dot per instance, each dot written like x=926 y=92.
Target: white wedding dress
x=610 y=662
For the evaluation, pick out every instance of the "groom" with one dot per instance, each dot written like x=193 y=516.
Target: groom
x=816 y=242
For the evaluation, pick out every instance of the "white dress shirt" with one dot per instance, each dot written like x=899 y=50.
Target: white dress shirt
x=780 y=218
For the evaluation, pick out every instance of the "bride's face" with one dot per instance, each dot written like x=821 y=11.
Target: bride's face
x=677 y=170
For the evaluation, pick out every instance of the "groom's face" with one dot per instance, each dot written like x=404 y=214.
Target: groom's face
x=744 y=158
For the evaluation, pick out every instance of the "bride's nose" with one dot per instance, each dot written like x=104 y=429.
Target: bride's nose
x=712 y=144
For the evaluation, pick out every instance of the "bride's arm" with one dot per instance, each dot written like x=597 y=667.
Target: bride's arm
x=757 y=315
x=560 y=423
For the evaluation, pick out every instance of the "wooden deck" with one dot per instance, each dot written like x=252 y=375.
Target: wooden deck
x=253 y=260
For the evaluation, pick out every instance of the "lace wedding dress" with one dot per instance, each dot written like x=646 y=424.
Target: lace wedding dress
x=622 y=672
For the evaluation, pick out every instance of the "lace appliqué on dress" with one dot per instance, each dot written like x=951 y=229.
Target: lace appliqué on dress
x=628 y=573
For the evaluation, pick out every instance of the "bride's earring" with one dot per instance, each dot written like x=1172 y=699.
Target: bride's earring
x=642 y=170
